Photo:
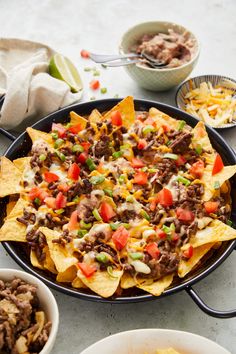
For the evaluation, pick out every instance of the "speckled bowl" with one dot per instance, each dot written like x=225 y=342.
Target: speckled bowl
x=156 y=79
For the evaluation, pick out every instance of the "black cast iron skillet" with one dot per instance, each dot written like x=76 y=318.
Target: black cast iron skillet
x=22 y=145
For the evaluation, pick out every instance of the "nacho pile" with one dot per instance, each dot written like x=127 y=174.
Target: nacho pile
x=118 y=200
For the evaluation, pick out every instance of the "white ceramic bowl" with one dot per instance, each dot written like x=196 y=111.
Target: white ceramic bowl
x=156 y=79
x=46 y=298
x=149 y=340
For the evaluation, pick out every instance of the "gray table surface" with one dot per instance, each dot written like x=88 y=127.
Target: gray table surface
x=98 y=25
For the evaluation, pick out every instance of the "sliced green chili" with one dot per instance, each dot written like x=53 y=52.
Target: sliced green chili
x=108 y=192
x=58 y=143
x=91 y=165
x=96 y=214
x=61 y=156
x=170 y=156
x=198 y=149
x=181 y=125
x=77 y=148
x=136 y=255
x=145 y=215
x=85 y=225
x=81 y=233
x=117 y=154
x=183 y=180
x=102 y=257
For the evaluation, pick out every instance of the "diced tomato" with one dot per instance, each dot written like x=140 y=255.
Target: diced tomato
x=153 y=203
x=60 y=129
x=50 y=202
x=75 y=129
x=165 y=128
x=72 y=225
x=63 y=187
x=161 y=234
x=73 y=172
x=106 y=211
x=197 y=169
x=50 y=177
x=189 y=252
x=142 y=144
x=37 y=192
x=165 y=197
x=153 y=250
x=94 y=84
x=218 y=165
x=82 y=157
x=175 y=237
x=87 y=269
x=211 y=207
x=84 y=54
x=184 y=214
x=180 y=161
x=137 y=163
x=86 y=145
x=149 y=121
x=60 y=201
x=116 y=118
x=140 y=177
x=120 y=237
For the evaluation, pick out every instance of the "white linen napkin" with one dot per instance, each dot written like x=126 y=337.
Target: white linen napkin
x=30 y=92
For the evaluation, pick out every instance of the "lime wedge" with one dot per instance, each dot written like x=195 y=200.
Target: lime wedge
x=63 y=69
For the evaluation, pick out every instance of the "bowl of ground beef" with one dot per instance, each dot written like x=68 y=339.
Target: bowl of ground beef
x=28 y=314
x=168 y=43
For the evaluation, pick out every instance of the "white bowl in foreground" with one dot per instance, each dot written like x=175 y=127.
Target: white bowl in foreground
x=46 y=299
x=149 y=340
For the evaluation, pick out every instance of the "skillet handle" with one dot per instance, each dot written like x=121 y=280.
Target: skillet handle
x=208 y=310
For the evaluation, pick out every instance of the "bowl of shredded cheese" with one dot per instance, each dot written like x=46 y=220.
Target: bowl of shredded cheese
x=210 y=98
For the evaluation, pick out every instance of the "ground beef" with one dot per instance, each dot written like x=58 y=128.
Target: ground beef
x=166 y=169
x=23 y=297
x=166 y=264
x=102 y=147
x=181 y=143
x=127 y=215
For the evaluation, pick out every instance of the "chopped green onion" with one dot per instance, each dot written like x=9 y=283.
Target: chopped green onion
x=170 y=156
x=136 y=255
x=42 y=157
x=110 y=272
x=68 y=125
x=59 y=211
x=96 y=73
x=124 y=147
x=229 y=222
x=103 y=90
x=130 y=199
x=216 y=185
x=166 y=229
x=152 y=170
x=96 y=214
x=77 y=148
x=144 y=214
x=148 y=129
x=97 y=179
x=181 y=125
x=172 y=226
x=92 y=98
x=85 y=225
x=113 y=226
x=37 y=201
x=76 y=199
x=102 y=257
x=121 y=179
x=81 y=233
x=54 y=135
x=58 y=143
x=117 y=154
x=144 y=169
x=87 y=69
x=91 y=165
x=198 y=149
x=183 y=180
x=116 y=95
x=168 y=142
x=61 y=156
x=126 y=226
x=108 y=192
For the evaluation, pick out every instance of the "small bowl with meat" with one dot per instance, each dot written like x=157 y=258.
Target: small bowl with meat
x=29 y=312
x=174 y=47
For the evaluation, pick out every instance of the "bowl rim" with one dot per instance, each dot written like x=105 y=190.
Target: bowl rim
x=166 y=331
x=195 y=57
x=10 y=273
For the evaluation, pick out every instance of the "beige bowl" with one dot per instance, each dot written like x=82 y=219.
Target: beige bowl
x=46 y=299
x=156 y=79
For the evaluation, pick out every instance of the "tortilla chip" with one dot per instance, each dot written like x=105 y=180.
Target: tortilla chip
x=10 y=207
x=101 y=282
x=95 y=116
x=18 y=208
x=162 y=119
x=10 y=178
x=127 y=281
x=126 y=108
x=216 y=231
x=12 y=230
x=34 y=260
x=77 y=283
x=157 y=287
x=200 y=137
x=60 y=256
x=226 y=173
x=167 y=351
x=22 y=163
x=48 y=262
x=77 y=119
x=186 y=266
x=38 y=135
x=68 y=276
x=40 y=320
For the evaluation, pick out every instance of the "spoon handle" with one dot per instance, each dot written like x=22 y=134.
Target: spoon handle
x=103 y=58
